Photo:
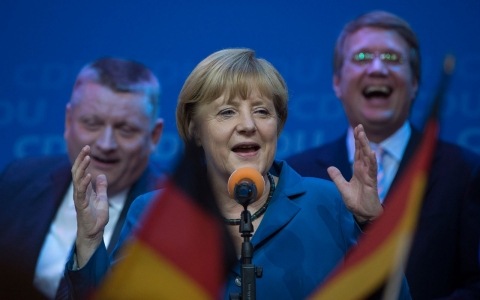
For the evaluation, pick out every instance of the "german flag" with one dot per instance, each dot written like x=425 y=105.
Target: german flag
x=382 y=251
x=384 y=247
x=182 y=250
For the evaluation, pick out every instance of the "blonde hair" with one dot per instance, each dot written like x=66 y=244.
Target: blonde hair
x=232 y=72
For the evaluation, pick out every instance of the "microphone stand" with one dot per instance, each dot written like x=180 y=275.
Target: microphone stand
x=249 y=272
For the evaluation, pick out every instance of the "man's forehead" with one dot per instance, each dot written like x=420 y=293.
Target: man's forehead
x=116 y=118
x=120 y=108
x=94 y=93
x=375 y=38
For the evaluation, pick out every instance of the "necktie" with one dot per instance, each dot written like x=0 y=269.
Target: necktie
x=379 y=154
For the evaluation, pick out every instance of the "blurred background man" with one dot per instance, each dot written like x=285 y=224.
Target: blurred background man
x=113 y=109
x=376 y=77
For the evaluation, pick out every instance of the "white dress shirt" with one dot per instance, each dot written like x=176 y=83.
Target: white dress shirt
x=61 y=237
x=394 y=148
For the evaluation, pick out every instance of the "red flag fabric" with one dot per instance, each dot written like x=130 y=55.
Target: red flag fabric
x=182 y=250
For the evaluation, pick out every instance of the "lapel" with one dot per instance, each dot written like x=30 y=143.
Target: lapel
x=335 y=154
x=46 y=197
x=149 y=181
x=281 y=209
x=413 y=143
x=43 y=199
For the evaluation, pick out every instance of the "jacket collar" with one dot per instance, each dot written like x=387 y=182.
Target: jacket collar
x=281 y=209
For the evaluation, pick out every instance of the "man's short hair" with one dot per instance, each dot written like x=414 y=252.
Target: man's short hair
x=383 y=20
x=121 y=75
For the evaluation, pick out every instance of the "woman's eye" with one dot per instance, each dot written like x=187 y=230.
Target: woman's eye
x=262 y=111
x=227 y=112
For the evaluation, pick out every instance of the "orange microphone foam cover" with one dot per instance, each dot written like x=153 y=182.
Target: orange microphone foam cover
x=246 y=173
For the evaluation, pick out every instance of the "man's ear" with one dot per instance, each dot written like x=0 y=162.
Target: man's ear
x=156 y=134
x=336 y=81
x=192 y=130
x=68 y=120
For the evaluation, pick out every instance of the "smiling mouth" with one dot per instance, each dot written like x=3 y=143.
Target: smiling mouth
x=246 y=149
x=377 y=91
x=105 y=160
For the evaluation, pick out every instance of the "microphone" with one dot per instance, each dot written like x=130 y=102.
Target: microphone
x=246 y=185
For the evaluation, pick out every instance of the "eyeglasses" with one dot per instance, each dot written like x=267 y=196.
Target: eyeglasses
x=391 y=59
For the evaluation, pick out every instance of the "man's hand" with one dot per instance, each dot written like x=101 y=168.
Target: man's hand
x=91 y=207
x=360 y=194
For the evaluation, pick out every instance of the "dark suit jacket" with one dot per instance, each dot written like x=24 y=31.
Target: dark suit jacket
x=444 y=258
x=31 y=191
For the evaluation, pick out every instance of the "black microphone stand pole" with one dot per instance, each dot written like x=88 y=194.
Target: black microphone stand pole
x=244 y=194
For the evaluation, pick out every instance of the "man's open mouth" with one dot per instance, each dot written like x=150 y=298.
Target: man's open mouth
x=377 y=91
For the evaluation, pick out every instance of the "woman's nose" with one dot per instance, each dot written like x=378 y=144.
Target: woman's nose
x=246 y=124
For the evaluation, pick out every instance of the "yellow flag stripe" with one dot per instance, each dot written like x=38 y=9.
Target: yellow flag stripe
x=145 y=274
x=353 y=284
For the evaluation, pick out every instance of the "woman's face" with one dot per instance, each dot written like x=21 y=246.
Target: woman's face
x=237 y=133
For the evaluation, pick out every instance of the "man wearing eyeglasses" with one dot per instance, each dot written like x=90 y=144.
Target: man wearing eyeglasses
x=376 y=77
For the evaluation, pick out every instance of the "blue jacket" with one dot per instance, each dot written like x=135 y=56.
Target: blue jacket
x=304 y=234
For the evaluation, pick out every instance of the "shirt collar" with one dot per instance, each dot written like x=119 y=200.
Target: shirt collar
x=115 y=202
x=394 y=145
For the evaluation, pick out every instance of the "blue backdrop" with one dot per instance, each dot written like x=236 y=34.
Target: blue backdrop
x=45 y=43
